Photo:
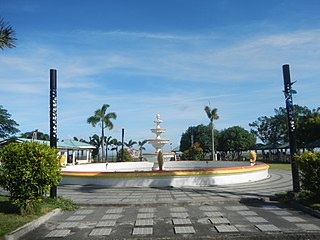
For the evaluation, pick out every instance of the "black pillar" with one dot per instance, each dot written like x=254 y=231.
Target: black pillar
x=122 y=156
x=291 y=126
x=53 y=118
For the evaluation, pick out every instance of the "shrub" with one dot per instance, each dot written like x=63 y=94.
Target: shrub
x=126 y=156
x=193 y=153
x=309 y=166
x=27 y=172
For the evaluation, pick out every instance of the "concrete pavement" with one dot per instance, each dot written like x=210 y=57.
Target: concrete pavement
x=241 y=211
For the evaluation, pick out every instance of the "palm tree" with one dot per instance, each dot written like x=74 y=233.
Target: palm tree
x=95 y=141
x=115 y=143
x=130 y=143
x=104 y=120
x=6 y=35
x=141 y=147
x=212 y=115
x=107 y=142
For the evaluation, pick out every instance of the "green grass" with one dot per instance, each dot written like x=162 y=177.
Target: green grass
x=11 y=219
x=280 y=166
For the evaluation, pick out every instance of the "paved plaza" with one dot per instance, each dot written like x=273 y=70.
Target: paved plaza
x=241 y=211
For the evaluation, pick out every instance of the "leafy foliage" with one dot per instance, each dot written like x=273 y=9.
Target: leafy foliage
x=200 y=134
x=235 y=140
x=274 y=129
x=7 y=125
x=27 y=172
x=102 y=118
x=195 y=152
x=309 y=166
x=7 y=35
x=40 y=136
x=126 y=156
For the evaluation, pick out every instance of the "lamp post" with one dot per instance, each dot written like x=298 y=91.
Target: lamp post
x=288 y=91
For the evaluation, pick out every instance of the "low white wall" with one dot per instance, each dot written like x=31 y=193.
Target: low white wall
x=110 y=167
x=191 y=165
x=169 y=181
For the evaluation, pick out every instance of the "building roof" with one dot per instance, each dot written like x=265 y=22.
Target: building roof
x=63 y=144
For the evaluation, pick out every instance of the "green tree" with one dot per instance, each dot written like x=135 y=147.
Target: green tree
x=194 y=152
x=95 y=141
x=126 y=156
x=28 y=171
x=7 y=35
x=141 y=148
x=200 y=134
x=212 y=115
x=7 y=125
x=274 y=129
x=115 y=145
x=107 y=141
x=130 y=144
x=102 y=118
x=40 y=135
x=236 y=139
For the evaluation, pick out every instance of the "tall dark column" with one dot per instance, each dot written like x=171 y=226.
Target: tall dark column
x=288 y=91
x=122 y=156
x=53 y=118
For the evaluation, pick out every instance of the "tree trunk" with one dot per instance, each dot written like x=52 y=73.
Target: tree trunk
x=102 y=141
x=212 y=138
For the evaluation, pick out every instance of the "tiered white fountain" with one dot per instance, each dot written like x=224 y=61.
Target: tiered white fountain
x=158 y=143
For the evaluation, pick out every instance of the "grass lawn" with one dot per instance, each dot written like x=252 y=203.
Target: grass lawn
x=280 y=166
x=10 y=219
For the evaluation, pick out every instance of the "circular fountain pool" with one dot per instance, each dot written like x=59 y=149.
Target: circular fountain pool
x=175 y=174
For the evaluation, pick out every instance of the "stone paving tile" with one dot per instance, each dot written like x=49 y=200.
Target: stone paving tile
x=67 y=225
x=100 y=232
x=142 y=231
x=179 y=215
x=114 y=210
x=247 y=213
x=58 y=233
x=226 y=228
x=256 y=219
x=219 y=220
x=308 y=227
x=293 y=219
x=84 y=211
x=213 y=214
x=281 y=212
x=184 y=230
x=147 y=210
x=145 y=215
x=268 y=228
x=111 y=216
x=181 y=221
x=178 y=209
x=144 y=222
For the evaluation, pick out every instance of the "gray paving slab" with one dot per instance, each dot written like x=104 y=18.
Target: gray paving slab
x=184 y=230
x=111 y=213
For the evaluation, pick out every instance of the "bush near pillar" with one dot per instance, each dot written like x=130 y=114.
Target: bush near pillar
x=309 y=168
x=28 y=171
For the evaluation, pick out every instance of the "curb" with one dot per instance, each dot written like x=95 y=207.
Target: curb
x=21 y=231
x=306 y=209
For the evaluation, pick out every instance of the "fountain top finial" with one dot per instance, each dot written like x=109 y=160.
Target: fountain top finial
x=158 y=121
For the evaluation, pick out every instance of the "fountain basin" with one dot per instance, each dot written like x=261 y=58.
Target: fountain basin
x=176 y=174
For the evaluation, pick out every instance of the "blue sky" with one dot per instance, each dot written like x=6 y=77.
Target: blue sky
x=144 y=57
